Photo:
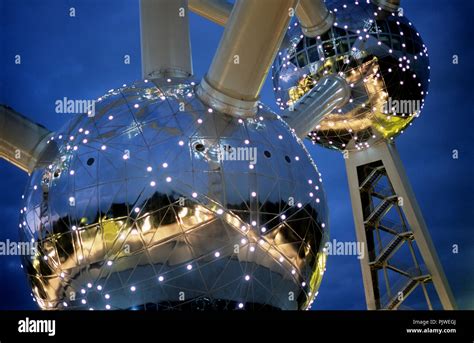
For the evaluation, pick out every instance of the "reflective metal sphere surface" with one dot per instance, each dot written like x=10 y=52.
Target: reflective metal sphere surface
x=382 y=58
x=158 y=202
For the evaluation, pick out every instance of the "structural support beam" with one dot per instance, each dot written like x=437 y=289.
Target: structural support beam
x=386 y=154
x=165 y=41
x=246 y=51
x=217 y=11
x=330 y=93
x=22 y=142
x=314 y=17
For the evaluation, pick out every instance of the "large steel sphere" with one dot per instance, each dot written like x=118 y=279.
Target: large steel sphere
x=154 y=204
x=381 y=56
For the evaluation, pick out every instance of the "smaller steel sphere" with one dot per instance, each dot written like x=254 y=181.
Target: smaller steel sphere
x=381 y=56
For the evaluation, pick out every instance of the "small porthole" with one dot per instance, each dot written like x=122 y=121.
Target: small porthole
x=90 y=161
x=288 y=159
x=267 y=154
x=199 y=147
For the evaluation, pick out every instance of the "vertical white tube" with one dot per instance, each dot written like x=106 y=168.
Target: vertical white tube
x=165 y=41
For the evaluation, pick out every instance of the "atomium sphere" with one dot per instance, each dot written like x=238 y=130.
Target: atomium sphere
x=158 y=202
x=381 y=56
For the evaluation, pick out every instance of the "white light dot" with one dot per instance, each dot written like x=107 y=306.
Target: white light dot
x=103 y=147
x=181 y=143
x=189 y=267
x=194 y=195
x=283 y=217
x=136 y=105
x=252 y=248
x=220 y=211
x=241 y=305
x=111 y=117
x=247 y=277
x=133 y=288
x=217 y=254
x=149 y=169
x=137 y=209
x=254 y=194
x=83 y=301
x=99 y=287
x=168 y=179
x=165 y=165
x=107 y=307
x=107 y=296
x=160 y=278
x=89 y=285
x=109 y=263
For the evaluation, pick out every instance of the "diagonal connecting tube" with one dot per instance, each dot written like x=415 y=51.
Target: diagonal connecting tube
x=217 y=11
x=246 y=51
x=313 y=15
x=330 y=93
x=22 y=142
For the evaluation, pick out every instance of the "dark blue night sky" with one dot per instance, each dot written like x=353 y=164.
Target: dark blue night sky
x=82 y=58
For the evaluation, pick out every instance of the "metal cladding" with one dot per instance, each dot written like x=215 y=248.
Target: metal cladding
x=160 y=202
x=380 y=55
